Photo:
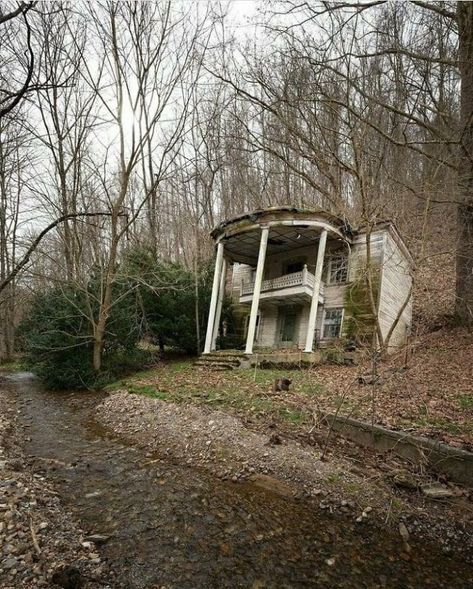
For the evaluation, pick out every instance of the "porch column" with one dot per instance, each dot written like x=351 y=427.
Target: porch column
x=213 y=300
x=257 y=289
x=218 y=313
x=315 y=295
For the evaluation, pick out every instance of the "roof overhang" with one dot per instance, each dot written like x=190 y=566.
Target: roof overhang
x=290 y=228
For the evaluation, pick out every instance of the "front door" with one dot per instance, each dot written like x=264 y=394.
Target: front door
x=287 y=329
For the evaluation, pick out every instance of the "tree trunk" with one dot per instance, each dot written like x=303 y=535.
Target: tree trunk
x=464 y=278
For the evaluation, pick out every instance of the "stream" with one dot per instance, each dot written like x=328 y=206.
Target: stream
x=175 y=526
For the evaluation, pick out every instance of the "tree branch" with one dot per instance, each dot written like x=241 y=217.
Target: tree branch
x=22 y=263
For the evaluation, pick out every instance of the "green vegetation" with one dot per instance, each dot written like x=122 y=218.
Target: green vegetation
x=153 y=300
x=148 y=391
x=241 y=391
x=360 y=321
x=57 y=337
x=466 y=401
x=441 y=424
x=167 y=292
x=12 y=366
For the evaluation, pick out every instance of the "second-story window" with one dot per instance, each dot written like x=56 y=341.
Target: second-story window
x=337 y=269
x=294 y=266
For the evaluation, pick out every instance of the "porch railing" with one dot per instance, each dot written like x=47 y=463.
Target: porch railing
x=301 y=278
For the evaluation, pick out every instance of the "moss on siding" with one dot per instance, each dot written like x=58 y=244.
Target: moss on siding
x=360 y=323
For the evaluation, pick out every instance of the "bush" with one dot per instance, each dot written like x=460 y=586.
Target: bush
x=168 y=298
x=57 y=338
x=152 y=298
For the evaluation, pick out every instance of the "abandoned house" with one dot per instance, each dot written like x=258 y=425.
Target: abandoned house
x=299 y=282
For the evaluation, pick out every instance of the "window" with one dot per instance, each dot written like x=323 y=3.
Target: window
x=332 y=323
x=294 y=266
x=337 y=270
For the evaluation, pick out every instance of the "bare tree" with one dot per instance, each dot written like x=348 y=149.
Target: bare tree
x=150 y=61
x=428 y=72
x=16 y=61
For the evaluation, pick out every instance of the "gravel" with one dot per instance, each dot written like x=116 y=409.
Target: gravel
x=203 y=437
x=38 y=537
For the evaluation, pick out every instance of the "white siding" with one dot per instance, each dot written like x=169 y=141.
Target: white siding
x=304 y=320
x=396 y=282
x=275 y=263
x=385 y=254
x=241 y=272
x=334 y=295
x=267 y=332
x=358 y=253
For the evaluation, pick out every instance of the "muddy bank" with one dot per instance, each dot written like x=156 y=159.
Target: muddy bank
x=199 y=436
x=38 y=534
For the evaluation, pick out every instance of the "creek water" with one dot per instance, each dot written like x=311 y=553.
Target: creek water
x=175 y=526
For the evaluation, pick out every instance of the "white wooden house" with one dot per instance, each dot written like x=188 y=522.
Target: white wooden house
x=293 y=275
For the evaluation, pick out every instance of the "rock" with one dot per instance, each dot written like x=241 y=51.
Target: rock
x=330 y=561
x=404 y=480
x=94 y=494
x=404 y=532
x=10 y=563
x=437 y=491
x=97 y=539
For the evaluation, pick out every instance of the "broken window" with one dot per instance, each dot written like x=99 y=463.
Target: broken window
x=332 y=323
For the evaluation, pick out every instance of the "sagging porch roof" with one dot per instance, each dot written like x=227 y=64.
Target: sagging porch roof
x=290 y=228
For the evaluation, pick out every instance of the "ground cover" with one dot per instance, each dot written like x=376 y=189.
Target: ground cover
x=428 y=390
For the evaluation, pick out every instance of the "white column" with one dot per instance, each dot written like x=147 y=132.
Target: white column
x=213 y=300
x=218 y=313
x=315 y=295
x=256 y=291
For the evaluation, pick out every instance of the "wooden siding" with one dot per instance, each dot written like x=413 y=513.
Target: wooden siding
x=267 y=332
x=358 y=253
x=304 y=324
x=395 y=285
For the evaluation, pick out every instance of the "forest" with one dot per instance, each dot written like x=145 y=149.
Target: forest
x=156 y=155
x=129 y=129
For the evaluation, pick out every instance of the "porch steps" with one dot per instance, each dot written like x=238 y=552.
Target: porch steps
x=218 y=362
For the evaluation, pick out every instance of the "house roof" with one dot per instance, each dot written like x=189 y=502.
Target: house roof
x=290 y=227
x=262 y=215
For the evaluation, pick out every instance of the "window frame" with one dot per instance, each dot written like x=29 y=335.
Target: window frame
x=337 y=257
x=324 y=318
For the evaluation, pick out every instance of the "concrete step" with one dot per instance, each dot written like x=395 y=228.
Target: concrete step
x=214 y=365
x=227 y=359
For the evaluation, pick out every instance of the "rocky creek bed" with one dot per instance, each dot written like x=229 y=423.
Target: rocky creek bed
x=40 y=539
x=183 y=497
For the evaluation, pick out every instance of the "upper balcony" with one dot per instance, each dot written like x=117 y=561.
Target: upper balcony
x=289 y=288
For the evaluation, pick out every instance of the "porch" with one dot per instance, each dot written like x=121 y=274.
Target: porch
x=282 y=252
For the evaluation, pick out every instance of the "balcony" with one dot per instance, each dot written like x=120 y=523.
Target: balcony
x=289 y=288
